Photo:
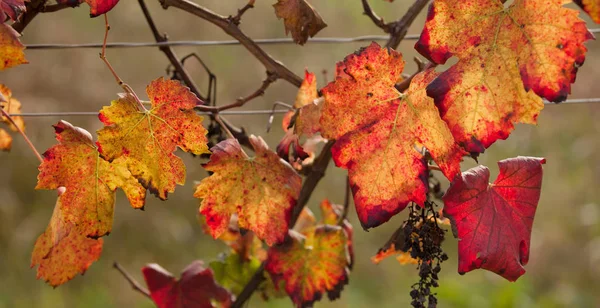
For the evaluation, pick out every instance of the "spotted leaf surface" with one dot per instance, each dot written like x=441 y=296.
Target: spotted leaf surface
x=261 y=190
x=508 y=59
x=84 y=211
x=146 y=140
x=299 y=18
x=195 y=288
x=493 y=221
x=11 y=49
x=378 y=132
x=311 y=264
x=592 y=7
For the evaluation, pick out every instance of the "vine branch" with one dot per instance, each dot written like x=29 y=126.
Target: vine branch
x=227 y=25
x=378 y=21
x=134 y=284
x=316 y=174
x=400 y=27
x=12 y=121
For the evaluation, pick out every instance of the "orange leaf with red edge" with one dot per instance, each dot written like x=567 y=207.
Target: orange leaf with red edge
x=195 y=288
x=84 y=210
x=147 y=139
x=507 y=57
x=11 y=49
x=316 y=259
x=377 y=131
x=261 y=190
x=299 y=18
x=311 y=265
x=592 y=7
x=493 y=221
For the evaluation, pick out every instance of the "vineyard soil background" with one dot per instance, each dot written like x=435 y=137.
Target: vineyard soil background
x=565 y=252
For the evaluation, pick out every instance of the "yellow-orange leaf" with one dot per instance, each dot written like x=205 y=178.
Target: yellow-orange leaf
x=12 y=106
x=503 y=54
x=84 y=210
x=11 y=49
x=307 y=91
x=378 y=131
x=147 y=139
x=314 y=263
x=5 y=141
x=262 y=190
x=300 y=18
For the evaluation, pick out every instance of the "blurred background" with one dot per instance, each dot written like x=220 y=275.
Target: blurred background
x=564 y=267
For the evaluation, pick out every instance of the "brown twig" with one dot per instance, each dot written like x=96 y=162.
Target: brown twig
x=237 y=18
x=170 y=53
x=316 y=174
x=400 y=27
x=32 y=9
x=120 y=82
x=29 y=143
x=378 y=21
x=58 y=6
x=271 y=78
x=134 y=284
x=272 y=66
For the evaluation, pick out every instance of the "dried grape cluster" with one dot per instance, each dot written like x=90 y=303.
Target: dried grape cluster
x=423 y=239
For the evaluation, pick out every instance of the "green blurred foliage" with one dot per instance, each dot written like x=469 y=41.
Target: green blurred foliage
x=565 y=252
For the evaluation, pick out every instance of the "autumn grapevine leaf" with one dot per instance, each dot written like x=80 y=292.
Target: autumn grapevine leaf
x=378 y=130
x=84 y=210
x=11 y=49
x=315 y=260
x=11 y=9
x=97 y=7
x=195 y=288
x=507 y=57
x=262 y=190
x=146 y=139
x=299 y=18
x=493 y=221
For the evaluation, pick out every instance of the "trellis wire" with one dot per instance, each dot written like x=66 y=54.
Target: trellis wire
x=271 y=41
x=250 y=112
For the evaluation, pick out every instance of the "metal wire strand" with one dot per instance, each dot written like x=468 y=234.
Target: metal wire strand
x=270 y=41
x=252 y=112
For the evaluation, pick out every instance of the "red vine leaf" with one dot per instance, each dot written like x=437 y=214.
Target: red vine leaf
x=84 y=210
x=493 y=221
x=592 y=7
x=11 y=49
x=299 y=18
x=378 y=129
x=147 y=139
x=97 y=7
x=311 y=264
x=262 y=190
x=503 y=54
x=195 y=288
x=11 y=8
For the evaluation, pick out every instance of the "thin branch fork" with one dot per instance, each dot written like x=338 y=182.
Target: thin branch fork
x=378 y=21
x=237 y=18
x=134 y=284
x=271 y=65
x=400 y=27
